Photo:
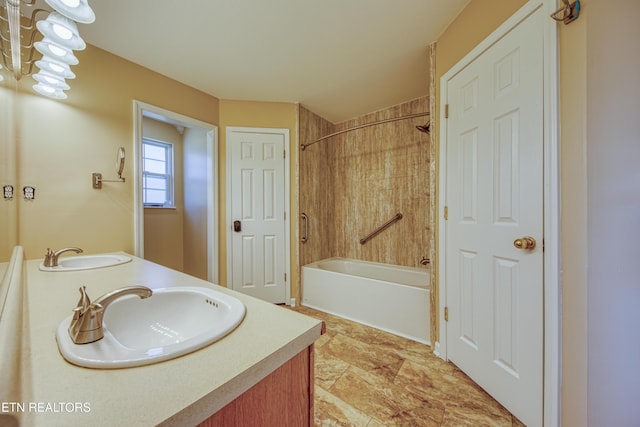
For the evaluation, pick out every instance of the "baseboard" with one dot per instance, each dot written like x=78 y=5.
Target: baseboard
x=436 y=350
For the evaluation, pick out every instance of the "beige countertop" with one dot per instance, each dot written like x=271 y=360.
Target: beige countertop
x=183 y=391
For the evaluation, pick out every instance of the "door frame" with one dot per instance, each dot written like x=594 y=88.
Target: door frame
x=140 y=110
x=551 y=201
x=287 y=206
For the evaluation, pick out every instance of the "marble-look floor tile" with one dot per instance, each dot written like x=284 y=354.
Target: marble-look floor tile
x=365 y=356
x=330 y=411
x=322 y=340
x=392 y=405
x=403 y=347
x=328 y=367
x=466 y=417
x=459 y=394
x=367 y=377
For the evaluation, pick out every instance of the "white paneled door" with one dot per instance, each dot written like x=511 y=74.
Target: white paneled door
x=258 y=213
x=494 y=193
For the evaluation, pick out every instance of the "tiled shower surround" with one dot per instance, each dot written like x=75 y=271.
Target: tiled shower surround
x=352 y=183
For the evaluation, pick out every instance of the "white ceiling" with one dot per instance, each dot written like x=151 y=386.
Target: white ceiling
x=338 y=58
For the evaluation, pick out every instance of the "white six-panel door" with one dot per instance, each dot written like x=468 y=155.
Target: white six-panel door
x=494 y=193
x=258 y=208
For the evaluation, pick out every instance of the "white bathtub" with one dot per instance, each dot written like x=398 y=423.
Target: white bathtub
x=388 y=297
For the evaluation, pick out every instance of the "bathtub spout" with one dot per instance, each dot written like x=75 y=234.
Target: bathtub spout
x=425 y=261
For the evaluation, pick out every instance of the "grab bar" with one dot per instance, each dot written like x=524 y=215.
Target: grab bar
x=378 y=230
x=305 y=236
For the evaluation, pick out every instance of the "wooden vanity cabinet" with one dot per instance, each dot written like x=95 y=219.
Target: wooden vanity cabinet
x=284 y=398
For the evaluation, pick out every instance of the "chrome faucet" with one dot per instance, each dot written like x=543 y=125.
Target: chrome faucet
x=86 y=324
x=51 y=257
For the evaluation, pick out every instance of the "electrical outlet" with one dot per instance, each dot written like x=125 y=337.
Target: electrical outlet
x=8 y=192
x=29 y=192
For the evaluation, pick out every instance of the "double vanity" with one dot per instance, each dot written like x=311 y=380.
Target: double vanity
x=190 y=353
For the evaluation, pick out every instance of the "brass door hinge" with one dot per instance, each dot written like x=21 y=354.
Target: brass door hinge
x=446 y=213
x=446 y=314
x=285 y=277
x=446 y=111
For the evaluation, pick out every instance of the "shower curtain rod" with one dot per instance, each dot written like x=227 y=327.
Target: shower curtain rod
x=409 y=116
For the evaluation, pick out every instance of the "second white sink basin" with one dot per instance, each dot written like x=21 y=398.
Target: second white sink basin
x=170 y=323
x=87 y=262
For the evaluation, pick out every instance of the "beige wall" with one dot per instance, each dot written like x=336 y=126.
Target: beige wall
x=8 y=176
x=164 y=227
x=56 y=145
x=59 y=145
x=573 y=137
x=177 y=237
x=195 y=203
x=280 y=115
x=479 y=19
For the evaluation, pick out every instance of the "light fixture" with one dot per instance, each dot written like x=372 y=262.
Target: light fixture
x=58 y=68
x=60 y=53
x=51 y=80
x=13 y=20
x=61 y=38
x=61 y=30
x=49 y=91
x=78 y=10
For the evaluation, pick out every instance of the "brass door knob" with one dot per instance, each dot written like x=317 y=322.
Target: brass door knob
x=526 y=242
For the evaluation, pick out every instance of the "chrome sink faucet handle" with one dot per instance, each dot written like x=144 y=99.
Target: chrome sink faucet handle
x=86 y=324
x=51 y=257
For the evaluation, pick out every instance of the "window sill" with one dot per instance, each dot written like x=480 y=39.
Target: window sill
x=160 y=207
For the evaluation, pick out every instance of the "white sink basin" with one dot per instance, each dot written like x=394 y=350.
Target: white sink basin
x=170 y=323
x=87 y=262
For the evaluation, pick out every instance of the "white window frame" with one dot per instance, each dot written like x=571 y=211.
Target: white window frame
x=169 y=175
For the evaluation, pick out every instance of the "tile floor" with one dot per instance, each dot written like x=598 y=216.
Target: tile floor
x=367 y=377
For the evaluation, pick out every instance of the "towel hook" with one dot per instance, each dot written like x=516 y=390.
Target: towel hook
x=568 y=13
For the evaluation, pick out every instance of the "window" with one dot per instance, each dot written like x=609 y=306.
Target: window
x=157 y=173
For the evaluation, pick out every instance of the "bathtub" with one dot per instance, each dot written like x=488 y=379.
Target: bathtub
x=388 y=297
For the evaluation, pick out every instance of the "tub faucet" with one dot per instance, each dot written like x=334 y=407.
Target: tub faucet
x=51 y=257
x=425 y=261
x=86 y=324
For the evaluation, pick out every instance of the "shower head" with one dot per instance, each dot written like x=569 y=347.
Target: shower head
x=426 y=128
